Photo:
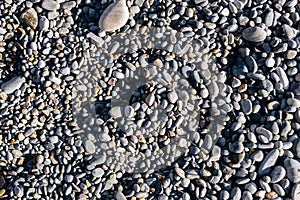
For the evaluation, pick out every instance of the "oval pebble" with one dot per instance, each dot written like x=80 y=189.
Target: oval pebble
x=114 y=17
x=13 y=84
x=254 y=34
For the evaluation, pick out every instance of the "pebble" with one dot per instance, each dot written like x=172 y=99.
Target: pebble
x=120 y=196
x=172 y=96
x=50 y=5
x=296 y=191
x=283 y=78
x=246 y=106
x=44 y=23
x=115 y=112
x=2 y=181
x=293 y=169
x=254 y=34
x=268 y=162
x=277 y=174
x=180 y=172
x=90 y=147
x=13 y=84
x=115 y=16
x=30 y=17
x=98 y=172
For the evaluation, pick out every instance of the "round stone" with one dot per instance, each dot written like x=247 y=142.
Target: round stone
x=30 y=17
x=114 y=16
x=98 y=172
x=254 y=34
x=89 y=146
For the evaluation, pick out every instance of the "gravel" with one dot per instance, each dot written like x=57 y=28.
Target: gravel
x=103 y=99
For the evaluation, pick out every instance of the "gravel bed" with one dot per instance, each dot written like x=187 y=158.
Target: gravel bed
x=150 y=99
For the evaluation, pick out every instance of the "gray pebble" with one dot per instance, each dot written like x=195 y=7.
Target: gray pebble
x=246 y=106
x=115 y=112
x=172 y=96
x=50 y=5
x=89 y=146
x=69 y=178
x=120 y=196
x=13 y=84
x=254 y=34
x=296 y=191
x=98 y=172
x=293 y=169
x=277 y=174
x=44 y=23
x=268 y=162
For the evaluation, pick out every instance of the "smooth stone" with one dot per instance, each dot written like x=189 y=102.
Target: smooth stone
x=236 y=193
x=115 y=16
x=44 y=23
x=186 y=196
x=277 y=174
x=89 y=146
x=13 y=84
x=246 y=106
x=270 y=62
x=236 y=147
x=263 y=131
x=288 y=31
x=269 y=18
x=297 y=148
x=247 y=195
x=296 y=191
x=290 y=54
x=115 y=112
x=120 y=196
x=98 y=172
x=53 y=139
x=293 y=169
x=268 y=162
x=172 y=96
x=180 y=172
x=50 y=5
x=283 y=78
x=69 y=178
x=30 y=17
x=254 y=34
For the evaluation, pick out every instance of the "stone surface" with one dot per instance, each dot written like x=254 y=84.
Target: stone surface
x=50 y=5
x=268 y=162
x=114 y=16
x=254 y=34
x=293 y=169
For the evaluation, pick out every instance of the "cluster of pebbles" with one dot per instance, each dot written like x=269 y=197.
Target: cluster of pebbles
x=55 y=55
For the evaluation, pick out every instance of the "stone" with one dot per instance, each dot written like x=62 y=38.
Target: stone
x=293 y=169
x=120 y=196
x=50 y=5
x=290 y=54
x=115 y=16
x=277 y=174
x=115 y=112
x=180 y=172
x=283 y=78
x=246 y=106
x=2 y=181
x=288 y=31
x=296 y=191
x=89 y=146
x=98 y=172
x=172 y=96
x=13 y=84
x=268 y=162
x=254 y=34
x=44 y=23
x=30 y=17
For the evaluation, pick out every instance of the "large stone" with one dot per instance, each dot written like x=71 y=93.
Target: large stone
x=13 y=84
x=30 y=17
x=114 y=16
x=254 y=34
x=293 y=169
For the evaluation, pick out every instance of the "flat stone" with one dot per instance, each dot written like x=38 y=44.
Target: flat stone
x=50 y=5
x=254 y=34
x=290 y=54
x=115 y=16
x=246 y=106
x=288 y=31
x=89 y=146
x=30 y=17
x=180 y=172
x=278 y=174
x=293 y=169
x=98 y=172
x=115 y=112
x=268 y=162
x=13 y=84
